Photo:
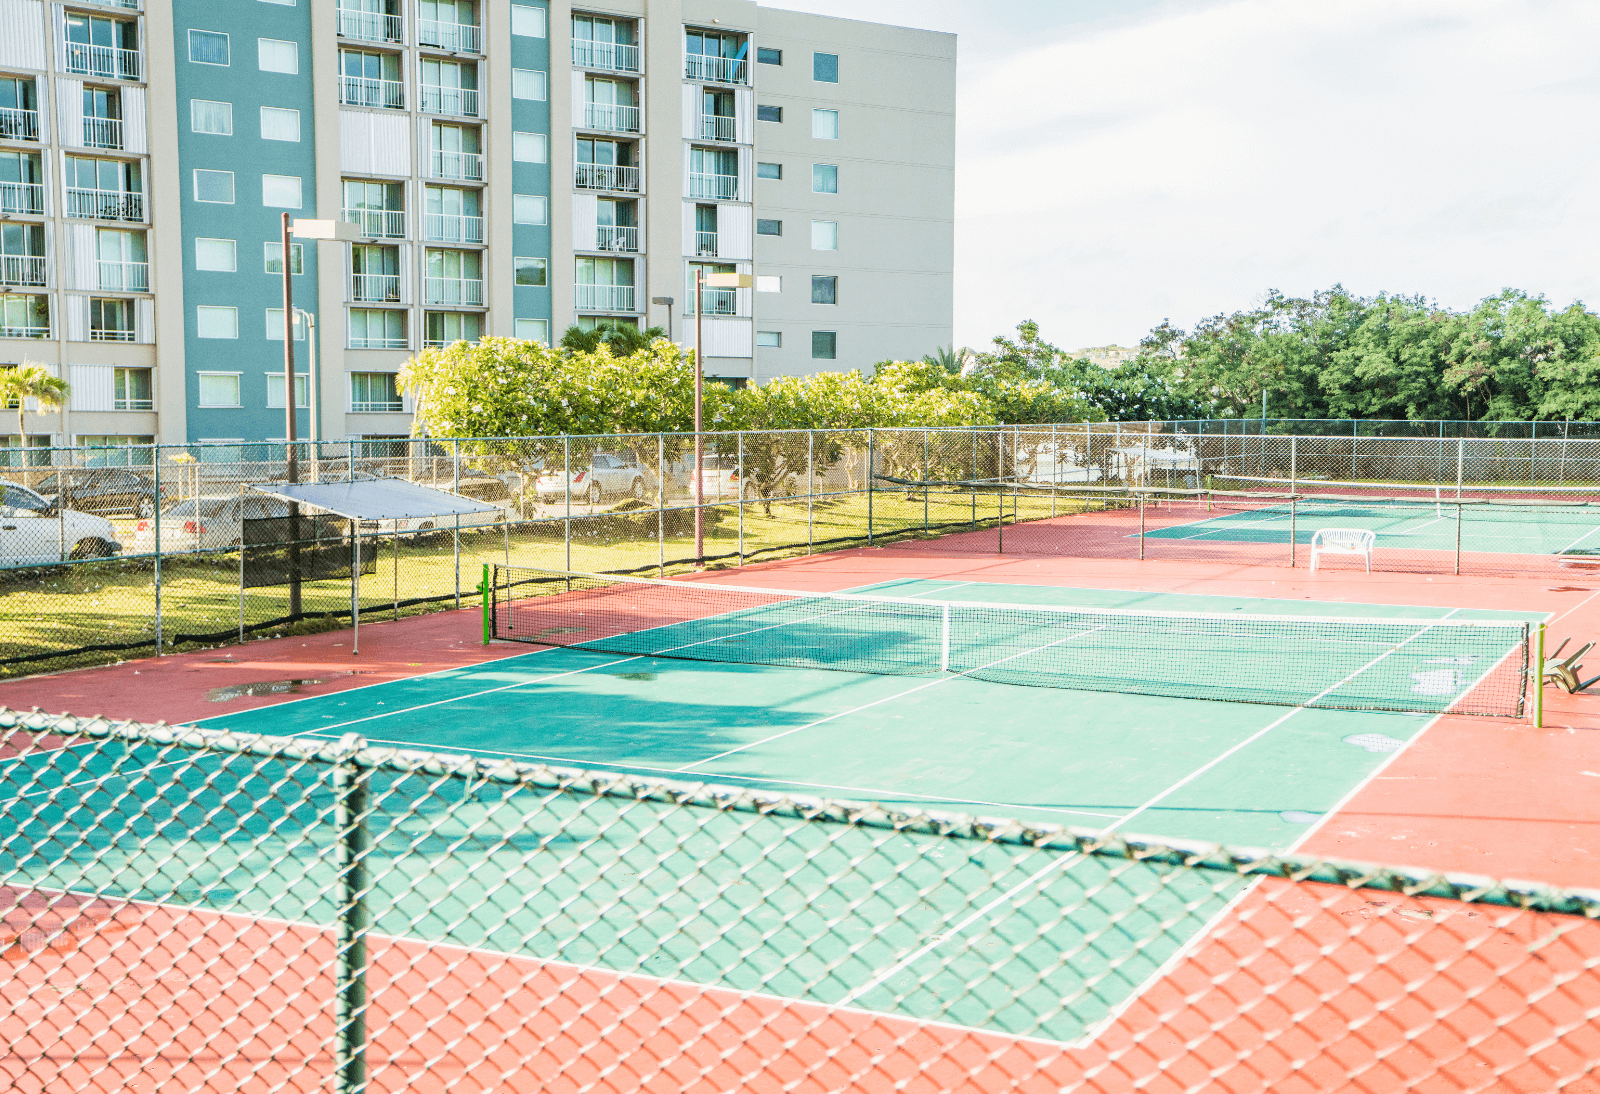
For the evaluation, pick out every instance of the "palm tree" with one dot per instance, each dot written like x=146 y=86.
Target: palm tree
x=30 y=380
x=946 y=358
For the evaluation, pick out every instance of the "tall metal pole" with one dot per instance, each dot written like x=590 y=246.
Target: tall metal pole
x=314 y=383
x=156 y=456
x=292 y=471
x=699 y=439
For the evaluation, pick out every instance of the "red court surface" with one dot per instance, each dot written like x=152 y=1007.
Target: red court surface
x=1299 y=988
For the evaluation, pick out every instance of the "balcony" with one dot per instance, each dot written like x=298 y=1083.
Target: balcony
x=375 y=288
x=106 y=62
x=721 y=70
x=716 y=302
x=721 y=187
x=366 y=91
x=381 y=223
x=24 y=332
x=610 y=56
x=370 y=26
x=452 y=291
x=102 y=133
x=124 y=276
x=456 y=37
x=18 y=125
x=458 y=165
x=21 y=197
x=617 y=237
x=604 y=297
x=715 y=127
x=104 y=204
x=452 y=228
x=23 y=270
x=105 y=334
x=128 y=5
x=458 y=102
x=602 y=176
x=705 y=244
x=378 y=408
x=378 y=343
x=611 y=118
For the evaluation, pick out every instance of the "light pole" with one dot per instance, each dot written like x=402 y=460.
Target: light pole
x=314 y=396
x=667 y=301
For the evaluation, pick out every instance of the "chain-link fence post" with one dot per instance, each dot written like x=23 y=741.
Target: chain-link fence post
x=1461 y=463
x=350 y=819
x=743 y=486
x=455 y=533
x=1141 y=527
x=661 y=505
x=242 y=549
x=1055 y=467
x=1293 y=536
x=926 y=476
x=156 y=460
x=566 y=475
x=870 y=467
x=1458 y=533
x=811 y=489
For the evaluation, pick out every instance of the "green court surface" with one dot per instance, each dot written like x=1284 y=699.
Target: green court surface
x=1015 y=939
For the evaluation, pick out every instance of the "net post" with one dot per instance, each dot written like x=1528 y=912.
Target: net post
x=483 y=588
x=1538 y=679
x=350 y=818
x=944 y=638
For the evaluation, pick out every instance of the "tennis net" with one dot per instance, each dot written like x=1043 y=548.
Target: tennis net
x=1411 y=665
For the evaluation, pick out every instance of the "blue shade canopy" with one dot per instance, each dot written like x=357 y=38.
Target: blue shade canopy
x=375 y=499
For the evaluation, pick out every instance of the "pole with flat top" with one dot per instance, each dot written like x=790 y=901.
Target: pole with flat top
x=702 y=281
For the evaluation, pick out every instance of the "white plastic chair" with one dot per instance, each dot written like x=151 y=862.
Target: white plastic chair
x=1343 y=541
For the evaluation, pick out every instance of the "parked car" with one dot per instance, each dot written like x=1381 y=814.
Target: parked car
x=719 y=477
x=33 y=532
x=610 y=473
x=217 y=523
x=104 y=490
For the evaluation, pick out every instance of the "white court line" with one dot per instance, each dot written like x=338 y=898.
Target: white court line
x=1579 y=540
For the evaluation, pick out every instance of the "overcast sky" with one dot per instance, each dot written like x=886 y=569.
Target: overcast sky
x=1124 y=161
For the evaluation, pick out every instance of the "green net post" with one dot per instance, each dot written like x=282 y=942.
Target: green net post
x=483 y=589
x=1538 y=679
x=350 y=817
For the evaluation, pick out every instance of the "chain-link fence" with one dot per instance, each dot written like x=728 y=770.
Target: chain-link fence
x=196 y=910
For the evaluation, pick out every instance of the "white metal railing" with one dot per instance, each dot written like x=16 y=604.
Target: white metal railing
x=104 y=334
x=384 y=407
x=705 y=244
x=715 y=127
x=104 y=204
x=375 y=288
x=124 y=276
x=26 y=332
x=604 y=176
x=130 y=5
x=379 y=342
x=452 y=290
x=725 y=187
x=605 y=297
x=384 y=223
x=456 y=37
x=715 y=302
x=458 y=102
x=722 y=70
x=617 y=237
x=370 y=26
x=611 y=117
x=611 y=56
x=23 y=270
x=457 y=165
x=110 y=62
x=17 y=124
x=21 y=197
x=102 y=133
x=367 y=91
x=452 y=228
x=132 y=404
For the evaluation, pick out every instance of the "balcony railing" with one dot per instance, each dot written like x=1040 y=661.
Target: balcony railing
x=24 y=332
x=23 y=270
x=124 y=276
x=133 y=404
x=722 y=70
x=705 y=244
x=457 y=165
x=375 y=288
x=611 y=118
x=605 y=297
x=370 y=26
x=102 y=133
x=715 y=127
x=104 y=204
x=452 y=290
x=383 y=342
x=716 y=302
x=107 y=62
x=724 y=187
x=617 y=237
x=383 y=223
x=611 y=56
x=458 y=102
x=17 y=124
x=602 y=176
x=130 y=5
x=456 y=37
x=106 y=334
x=365 y=91
x=21 y=197
x=452 y=228
x=385 y=407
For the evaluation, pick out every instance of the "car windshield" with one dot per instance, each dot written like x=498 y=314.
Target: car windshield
x=48 y=486
x=17 y=498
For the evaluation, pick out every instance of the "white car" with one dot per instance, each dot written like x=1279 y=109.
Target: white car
x=608 y=473
x=216 y=523
x=33 y=533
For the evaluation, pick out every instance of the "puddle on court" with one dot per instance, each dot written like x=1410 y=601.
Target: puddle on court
x=264 y=687
x=632 y=675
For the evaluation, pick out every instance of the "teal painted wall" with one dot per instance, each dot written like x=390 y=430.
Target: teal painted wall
x=528 y=116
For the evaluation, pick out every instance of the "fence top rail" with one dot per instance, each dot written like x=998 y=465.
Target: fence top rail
x=355 y=751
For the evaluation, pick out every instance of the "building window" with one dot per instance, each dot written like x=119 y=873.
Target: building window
x=768 y=56
x=530 y=209
x=769 y=170
x=206 y=116
x=374 y=393
x=530 y=147
x=769 y=283
x=534 y=330
x=216 y=322
x=219 y=388
x=218 y=255
x=377 y=328
x=769 y=113
x=214 y=186
x=528 y=21
x=824 y=235
x=824 y=178
x=208 y=47
x=769 y=339
x=273 y=253
x=446 y=327
x=275 y=55
x=529 y=83
x=132 y=389
x=275 y=325
x=24 y=316
x=824 y=289
x=531 y=271
x=824 y=345
x=280 y=123
x=769 y=227
x=825 y=68
x=110 y=320
x=825 y=125
x=280 y=191
x=302 y=390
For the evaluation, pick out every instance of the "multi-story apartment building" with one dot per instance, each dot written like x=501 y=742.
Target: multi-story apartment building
x=512 y=168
